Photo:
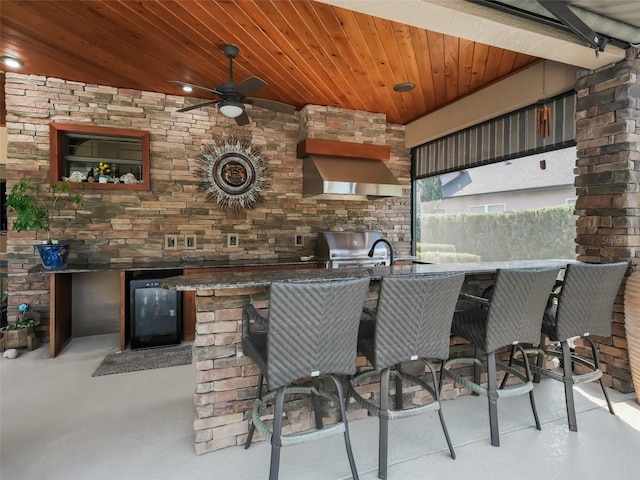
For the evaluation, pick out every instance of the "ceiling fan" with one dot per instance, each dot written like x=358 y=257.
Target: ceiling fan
x=234 y=96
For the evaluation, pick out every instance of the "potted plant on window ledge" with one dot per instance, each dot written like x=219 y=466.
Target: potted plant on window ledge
x=32 y=213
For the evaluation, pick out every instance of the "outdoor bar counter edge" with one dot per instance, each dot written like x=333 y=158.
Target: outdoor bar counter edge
x=265 y=278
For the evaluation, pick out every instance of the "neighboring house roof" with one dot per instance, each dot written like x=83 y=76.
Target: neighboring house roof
x=519 y=174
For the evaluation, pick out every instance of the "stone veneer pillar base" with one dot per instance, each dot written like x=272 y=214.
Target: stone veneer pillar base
x=608 y=188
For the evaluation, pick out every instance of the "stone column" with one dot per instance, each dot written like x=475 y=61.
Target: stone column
x=607 y=183
x=226 y=380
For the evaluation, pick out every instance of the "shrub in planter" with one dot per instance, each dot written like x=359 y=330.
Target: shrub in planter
x=21 y=333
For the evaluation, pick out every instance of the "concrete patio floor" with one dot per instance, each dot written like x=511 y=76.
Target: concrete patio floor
x=57 y=422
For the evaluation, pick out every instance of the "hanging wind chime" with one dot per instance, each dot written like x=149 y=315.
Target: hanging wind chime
x=543 y=111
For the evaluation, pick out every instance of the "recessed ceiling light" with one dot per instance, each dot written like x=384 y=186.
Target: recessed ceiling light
x=187 y=88
x=404 y=87
x=11 y=62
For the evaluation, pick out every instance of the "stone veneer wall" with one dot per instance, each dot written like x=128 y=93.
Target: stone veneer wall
x=608 y=187
x=124 y=226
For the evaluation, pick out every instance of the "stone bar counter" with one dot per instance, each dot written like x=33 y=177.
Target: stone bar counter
x=226 y=380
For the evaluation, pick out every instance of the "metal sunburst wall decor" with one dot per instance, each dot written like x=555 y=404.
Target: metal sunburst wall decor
x=232 y=172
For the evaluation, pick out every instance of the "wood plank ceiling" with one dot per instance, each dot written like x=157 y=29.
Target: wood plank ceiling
x=308 y=52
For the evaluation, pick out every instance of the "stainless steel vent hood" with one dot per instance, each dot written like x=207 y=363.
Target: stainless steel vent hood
x=338 y=170
x=328 y=177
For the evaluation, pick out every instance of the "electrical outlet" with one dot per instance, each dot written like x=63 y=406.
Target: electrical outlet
x=190 y=242
x=232 y=240
x=299 y=240
x=171 y=242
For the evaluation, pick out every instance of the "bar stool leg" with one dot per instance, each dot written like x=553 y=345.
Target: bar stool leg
x=527 y=371
x=492 y=396
x=383 y=435
x=347 y=439
x=276 y=439
x=606 y=397
x=476 y=370
x=252 y=427
x=436 y=393
x=506 y=374
x=567 y=369
x=398 y=379
x=596 y=363
x=316 y=403
x=540 y=362
x=441 y=378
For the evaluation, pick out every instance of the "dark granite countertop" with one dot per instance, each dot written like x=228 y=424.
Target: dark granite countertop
x=82 y=267
x=86 y=266
x=219 y=281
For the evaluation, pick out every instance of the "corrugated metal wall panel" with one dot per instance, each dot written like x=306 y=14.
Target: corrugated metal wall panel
x=509 y=136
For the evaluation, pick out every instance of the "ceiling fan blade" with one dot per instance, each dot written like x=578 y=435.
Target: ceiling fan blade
x=250 y=85
x=198 y=87
x=242 y=119
x=198 y=105
x=271 y=105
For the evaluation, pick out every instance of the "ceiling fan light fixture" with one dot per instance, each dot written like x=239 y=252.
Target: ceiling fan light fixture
x=187 y=88
x=11 y=62
x=230 y=108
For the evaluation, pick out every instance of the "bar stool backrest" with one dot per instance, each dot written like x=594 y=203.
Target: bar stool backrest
x=586 y=300
x=413 y=318
x=313 y=328
x=517 y=306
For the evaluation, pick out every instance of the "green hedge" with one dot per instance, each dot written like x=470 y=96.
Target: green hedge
x=443 y=253
x=518 y=235
x=447 y=257
x=435 y=247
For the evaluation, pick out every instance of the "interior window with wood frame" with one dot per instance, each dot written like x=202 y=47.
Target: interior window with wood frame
x=100 y=157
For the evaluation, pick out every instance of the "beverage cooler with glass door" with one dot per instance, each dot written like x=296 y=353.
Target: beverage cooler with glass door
x=155 y=314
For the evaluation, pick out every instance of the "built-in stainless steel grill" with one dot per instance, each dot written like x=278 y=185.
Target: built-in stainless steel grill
x=350 y=249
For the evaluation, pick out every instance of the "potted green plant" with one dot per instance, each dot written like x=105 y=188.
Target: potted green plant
x=21 y=333
x=33 y=213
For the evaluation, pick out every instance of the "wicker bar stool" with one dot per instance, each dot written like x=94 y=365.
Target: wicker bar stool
x=582 y=308
x=513 y=315
x=311 y=331
x=412 y=322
